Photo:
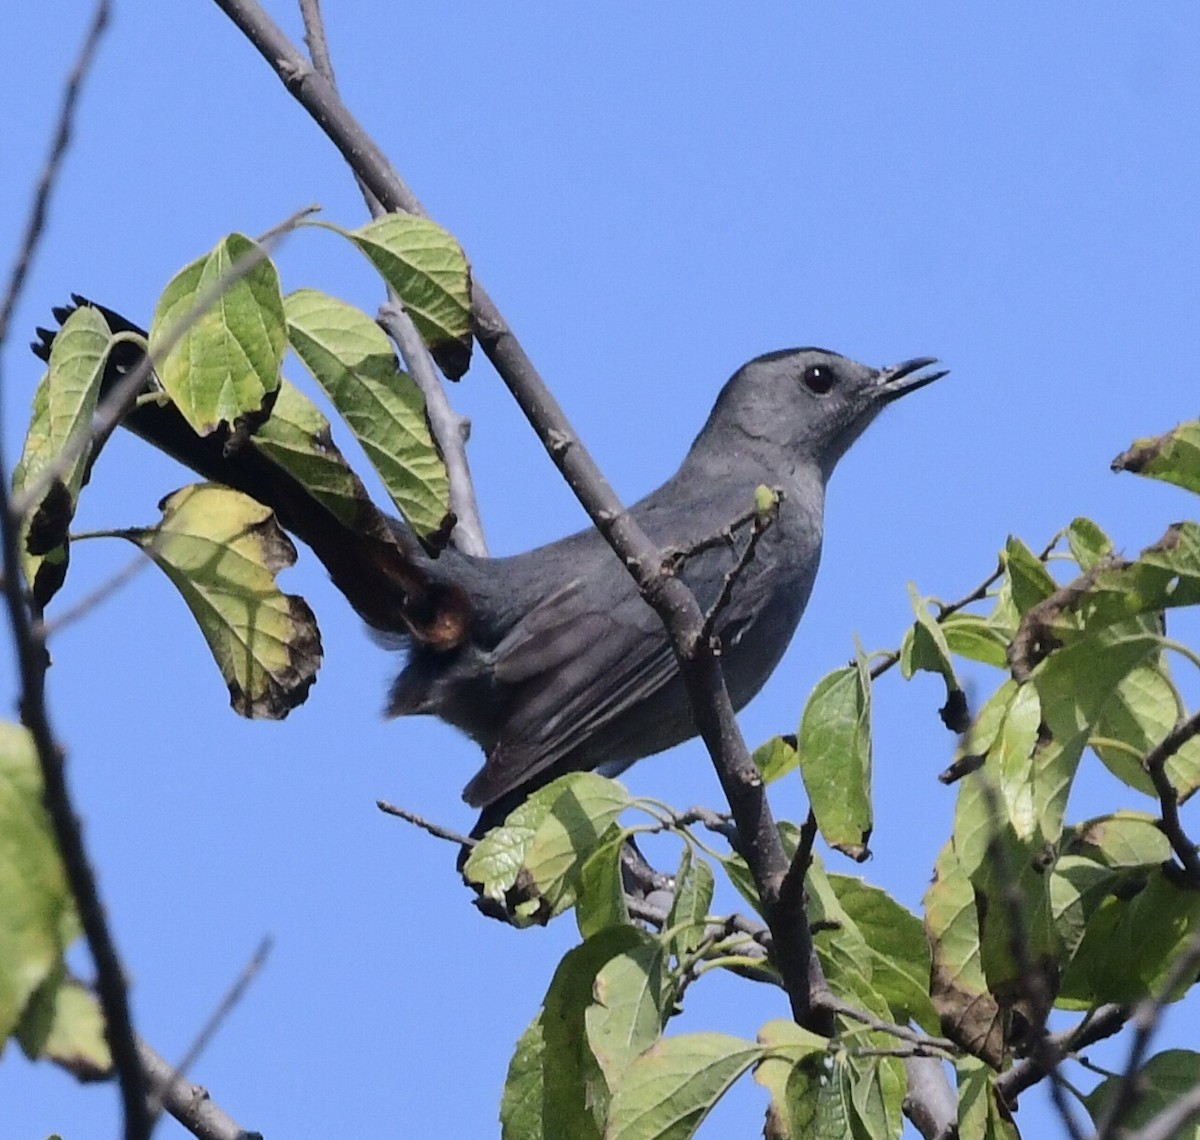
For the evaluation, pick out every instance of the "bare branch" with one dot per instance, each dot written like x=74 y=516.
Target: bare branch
x=32 y=662
x=434 y=829
x=188 y=1103
x=58 y=149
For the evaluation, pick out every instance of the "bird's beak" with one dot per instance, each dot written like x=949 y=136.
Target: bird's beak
x=900 y=379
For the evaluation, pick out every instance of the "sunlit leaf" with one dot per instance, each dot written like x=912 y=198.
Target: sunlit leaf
x=225 y=366
x=351 y=358
x=835 y=757
x=426 y=267
x=221 y=551
x=669 y=1089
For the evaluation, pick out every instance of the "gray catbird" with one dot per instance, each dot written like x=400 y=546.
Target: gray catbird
x=567 y=667
x=559 y=665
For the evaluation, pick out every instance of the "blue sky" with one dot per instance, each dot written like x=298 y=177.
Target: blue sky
x=652 y=194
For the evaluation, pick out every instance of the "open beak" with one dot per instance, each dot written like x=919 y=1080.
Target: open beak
x=900 y=379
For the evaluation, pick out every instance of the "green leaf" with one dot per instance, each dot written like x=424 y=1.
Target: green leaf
x=1130 y=944
x=64 y=1023
x=1026 y=575
x=37 y=913
x=1173 y=457
x=981 y=1116
x=1089 y=544
x=669 y=1090
x=1074 y=684
x=221 y=550
x=351 y=358
x=835 y=757
x=524 y=1089
x=225 y=366
x=601 y=894
x=1141 y=710
x=694 y=887
x=790 y=1047
x=776 y=758
x=427 y=268
x=548 y=837
x=899 y=953
x=877 y=1088
x=1121 y=840
x=630 y=1007
x=1163 y=1080
x=575 y=1088
x=976 y=638
x=64 y=405
x=819 y=1101
x=297 y=438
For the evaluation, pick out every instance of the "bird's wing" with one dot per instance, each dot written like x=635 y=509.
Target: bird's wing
x=573 y=665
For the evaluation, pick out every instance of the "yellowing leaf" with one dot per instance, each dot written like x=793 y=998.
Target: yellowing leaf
x=221 y=550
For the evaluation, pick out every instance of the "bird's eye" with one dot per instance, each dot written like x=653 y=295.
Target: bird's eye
x=818 y=378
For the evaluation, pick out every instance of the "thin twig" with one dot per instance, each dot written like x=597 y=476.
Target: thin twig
x=449 y=429
x=759 y=525
x=31 y=664
x=912 y=1036
x=434 y=829
x=131 y=569
x=49 y=177
x=215 y=1021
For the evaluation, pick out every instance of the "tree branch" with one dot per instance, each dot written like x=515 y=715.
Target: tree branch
x=699 y=664
x=32 y=662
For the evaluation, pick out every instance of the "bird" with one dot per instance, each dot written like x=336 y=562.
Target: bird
x=561 y=665
x=568 y=668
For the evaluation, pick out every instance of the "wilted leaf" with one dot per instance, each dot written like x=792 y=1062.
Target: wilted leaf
x=969 y=1013
x=426 y=267
x=835 y=757
x=225 y=366
x=1173 y=457
x=352 y=360
x=671 y=1088
x=221 y=550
